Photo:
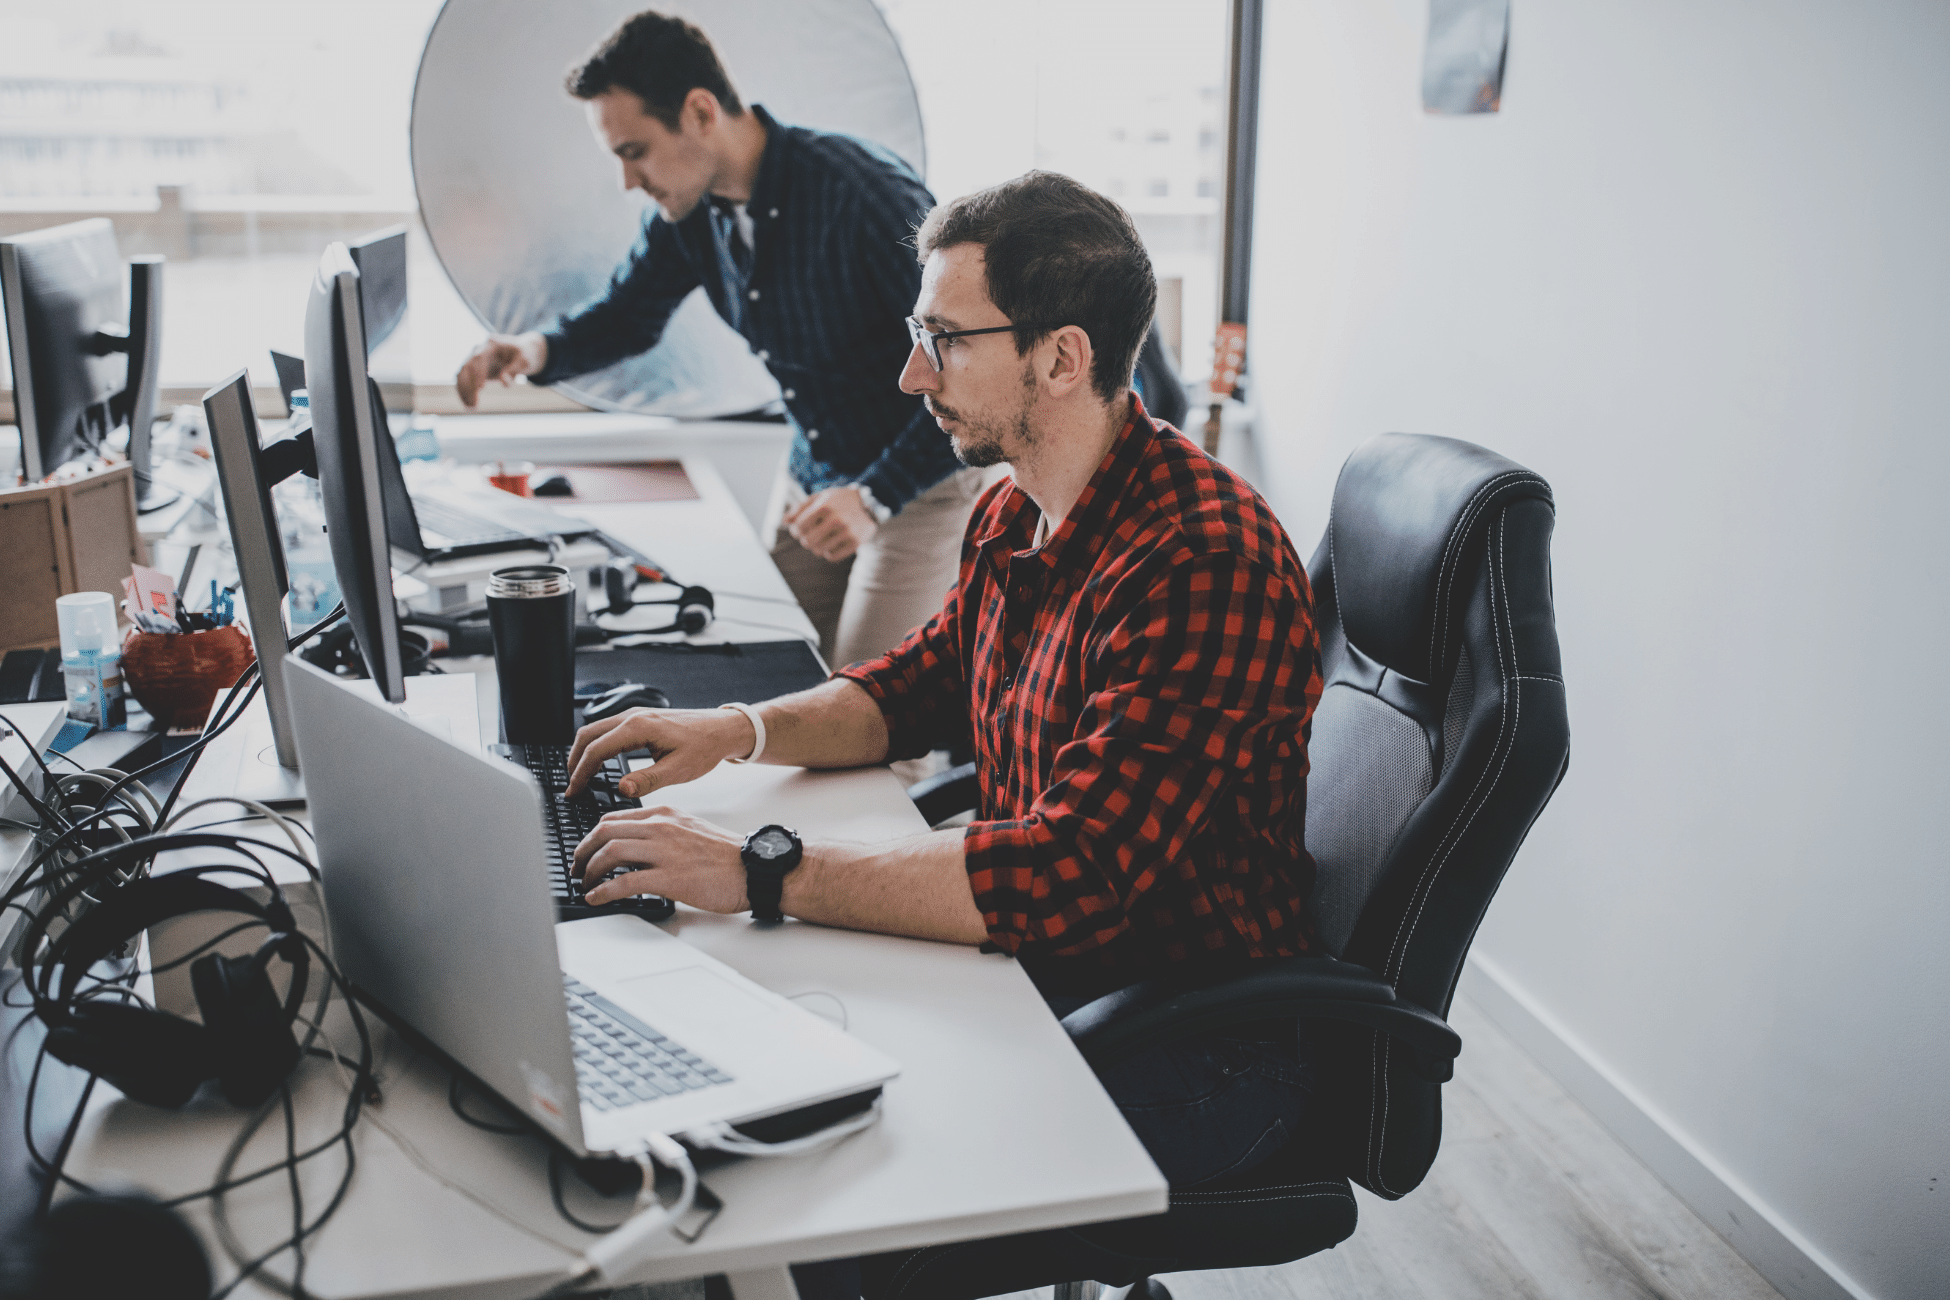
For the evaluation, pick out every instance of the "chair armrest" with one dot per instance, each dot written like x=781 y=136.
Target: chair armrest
x=1120 y=1025
x=940 y=797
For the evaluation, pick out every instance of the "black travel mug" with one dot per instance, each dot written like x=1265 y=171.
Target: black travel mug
x=532 y=612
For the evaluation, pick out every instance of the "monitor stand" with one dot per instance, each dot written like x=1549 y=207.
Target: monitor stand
x=243 y=762
x=155 y=497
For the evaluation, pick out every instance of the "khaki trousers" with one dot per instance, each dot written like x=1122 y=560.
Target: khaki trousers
x=863 y=606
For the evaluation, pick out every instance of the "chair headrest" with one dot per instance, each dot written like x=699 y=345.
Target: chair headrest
x=1408 y=509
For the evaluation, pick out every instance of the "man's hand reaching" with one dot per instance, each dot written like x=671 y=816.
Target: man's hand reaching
x=833 y=524
x=686 y=744
x=500 y=357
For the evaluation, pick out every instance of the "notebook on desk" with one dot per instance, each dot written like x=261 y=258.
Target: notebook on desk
x=598 y=1030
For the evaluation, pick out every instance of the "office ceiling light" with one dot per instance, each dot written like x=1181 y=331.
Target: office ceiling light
x=525 y=212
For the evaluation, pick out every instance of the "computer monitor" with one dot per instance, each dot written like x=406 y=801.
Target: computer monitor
x=347 y=423
x=82 y=362
x=381 y=259
x=231 y=417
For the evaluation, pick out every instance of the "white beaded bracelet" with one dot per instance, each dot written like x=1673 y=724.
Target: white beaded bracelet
x=758 y=725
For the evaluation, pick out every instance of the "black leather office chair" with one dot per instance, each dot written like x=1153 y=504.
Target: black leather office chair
x=1157 y=380
x=1440 y=736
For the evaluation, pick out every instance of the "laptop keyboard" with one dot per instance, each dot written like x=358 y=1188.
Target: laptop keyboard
x=566 y=821
x=459 y=528
x=621 y=1061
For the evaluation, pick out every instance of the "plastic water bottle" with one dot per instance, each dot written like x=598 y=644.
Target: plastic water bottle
x=91 y=657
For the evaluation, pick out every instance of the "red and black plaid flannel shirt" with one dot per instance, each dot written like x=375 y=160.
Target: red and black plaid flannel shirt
x=1139 y=691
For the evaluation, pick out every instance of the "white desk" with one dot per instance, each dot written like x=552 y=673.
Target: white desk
x=994 y=1126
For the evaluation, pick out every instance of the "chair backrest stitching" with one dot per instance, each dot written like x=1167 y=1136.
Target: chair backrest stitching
x=1451 y=549
x=1501 y=624
x=1477 y=505
x=1512 y=713
x=1471 y=805
x=1448 y=571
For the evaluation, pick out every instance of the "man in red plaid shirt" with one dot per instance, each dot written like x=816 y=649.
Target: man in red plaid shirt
x=1130 y=650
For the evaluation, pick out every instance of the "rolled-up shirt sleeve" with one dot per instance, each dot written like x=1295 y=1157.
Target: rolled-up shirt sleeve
x=920 y=686
x=1204 y=678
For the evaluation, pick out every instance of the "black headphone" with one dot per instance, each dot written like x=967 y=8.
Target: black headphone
x=695 y=606
x=695 y=610
x=337 y=652
x=245 y=1041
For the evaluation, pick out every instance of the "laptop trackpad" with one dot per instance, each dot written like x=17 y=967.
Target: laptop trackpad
x=696 y=992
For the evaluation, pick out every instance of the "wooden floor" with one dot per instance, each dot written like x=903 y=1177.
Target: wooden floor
x=1530 y=1197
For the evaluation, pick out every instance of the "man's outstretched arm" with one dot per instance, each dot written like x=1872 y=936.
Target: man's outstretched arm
x=835 y=724
x=917 y=886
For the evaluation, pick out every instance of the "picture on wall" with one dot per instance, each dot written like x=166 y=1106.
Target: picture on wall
x=1463 y=69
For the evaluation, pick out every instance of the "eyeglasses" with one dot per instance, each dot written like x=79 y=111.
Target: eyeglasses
x=930 y=340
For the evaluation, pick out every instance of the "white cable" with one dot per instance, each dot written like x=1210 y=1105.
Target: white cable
x=269 y=814
x=419 y=1159
x=722 y=1137
x=623 y=1248
x=277 y=819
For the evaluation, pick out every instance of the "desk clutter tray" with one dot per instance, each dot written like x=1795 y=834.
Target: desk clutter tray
x=703 y=676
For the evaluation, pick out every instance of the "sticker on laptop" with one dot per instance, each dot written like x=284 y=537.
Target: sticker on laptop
x=544 y=1095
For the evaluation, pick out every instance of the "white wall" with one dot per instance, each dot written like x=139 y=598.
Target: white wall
x=1697 y=273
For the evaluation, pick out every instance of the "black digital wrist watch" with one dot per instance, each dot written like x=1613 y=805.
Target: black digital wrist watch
x=769 y=852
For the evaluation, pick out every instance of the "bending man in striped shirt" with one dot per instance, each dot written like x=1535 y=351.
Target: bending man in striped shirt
x=800 y=240
x=1130 y=649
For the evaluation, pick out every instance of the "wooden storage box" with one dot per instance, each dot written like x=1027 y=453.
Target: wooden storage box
x=59 y=538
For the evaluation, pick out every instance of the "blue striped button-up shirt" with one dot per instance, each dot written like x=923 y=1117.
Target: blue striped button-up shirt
x=832 y=279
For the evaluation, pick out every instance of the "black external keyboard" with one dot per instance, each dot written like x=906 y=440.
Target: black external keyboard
x=458 y=527
x=566 y=821
x=621 y=1061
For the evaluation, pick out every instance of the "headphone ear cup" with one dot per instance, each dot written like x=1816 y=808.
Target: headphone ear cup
x=150 y=1056
x=695 y=609
x=103 y=1247
x=250 y=1038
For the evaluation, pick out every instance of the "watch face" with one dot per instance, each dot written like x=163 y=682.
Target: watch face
x=771 y=843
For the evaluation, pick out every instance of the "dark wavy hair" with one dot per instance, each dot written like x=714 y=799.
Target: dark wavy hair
x=660 y=60
x=1057 y=253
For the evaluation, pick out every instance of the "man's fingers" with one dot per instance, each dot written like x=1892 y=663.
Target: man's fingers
x=586 y=756
x=639 y=881
x=616 y=842
x=665 y=771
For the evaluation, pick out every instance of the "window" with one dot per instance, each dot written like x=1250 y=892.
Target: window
x=235 y=140
x=208 y=134
x=1099 y=92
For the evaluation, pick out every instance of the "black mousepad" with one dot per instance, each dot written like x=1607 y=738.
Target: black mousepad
x=703 y=676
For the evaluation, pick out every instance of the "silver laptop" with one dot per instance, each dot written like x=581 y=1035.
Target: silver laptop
x=600 y=1030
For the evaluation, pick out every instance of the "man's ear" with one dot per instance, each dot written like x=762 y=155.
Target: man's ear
x=1068 y=365
x=701 y=107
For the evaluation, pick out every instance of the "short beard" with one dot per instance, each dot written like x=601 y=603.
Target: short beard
x=983 y=447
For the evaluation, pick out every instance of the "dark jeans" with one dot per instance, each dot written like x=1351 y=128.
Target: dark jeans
x=1206 y=1108
x=1211 y=1107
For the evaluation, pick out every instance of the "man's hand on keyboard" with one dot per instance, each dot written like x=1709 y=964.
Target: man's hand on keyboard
x=666 y=852
x=686 y=743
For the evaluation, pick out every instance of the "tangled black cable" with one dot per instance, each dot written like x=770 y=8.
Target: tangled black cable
x=112 y=802
x=89 y=872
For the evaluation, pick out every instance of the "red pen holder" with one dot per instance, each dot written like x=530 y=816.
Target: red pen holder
x=177 y=677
